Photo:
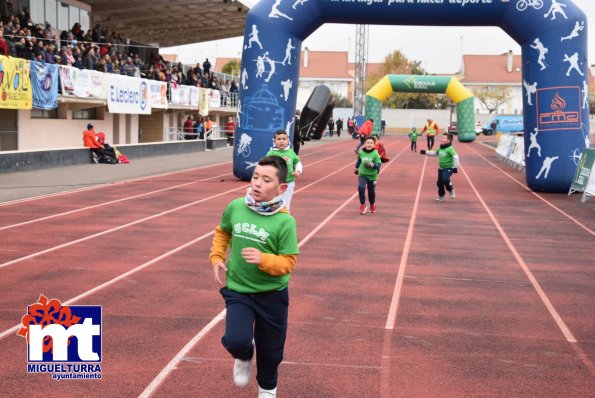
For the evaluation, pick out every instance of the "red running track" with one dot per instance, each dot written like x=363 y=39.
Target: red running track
x=490 y=294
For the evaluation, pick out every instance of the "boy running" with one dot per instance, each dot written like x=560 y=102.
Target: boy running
x=447 y=165
x=294 y=165
x=263 y=245
x=367 y=168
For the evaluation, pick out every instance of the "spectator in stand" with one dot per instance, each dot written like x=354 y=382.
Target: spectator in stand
x=197 y=71
x=204 y=81
x=130 y=69
x=151 y=73
x=78 y=61
x=100 y=66
x=138 y=62
x=175 y=77
x=206 y=67
x=191 y=79
x=67 y=57
x=230 y=129
x=88 y=36
x=49 y=53
x=109 y=66
x=117 y=68
x=189 y=128
x=90 y=141
x=90 y=58
x=225 y=99
x=77 y=32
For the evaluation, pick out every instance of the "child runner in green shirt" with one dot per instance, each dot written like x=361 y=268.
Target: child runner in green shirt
x=263 y=245
x=294 y=165
x=367 y=168
x=413 y=136
x=447 y=165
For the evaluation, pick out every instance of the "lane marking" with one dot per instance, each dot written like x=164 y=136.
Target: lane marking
x=550 y=307
x=156 y=382
x=394 y=305
x=553 y=206
x=108 y=231
x=167 y=254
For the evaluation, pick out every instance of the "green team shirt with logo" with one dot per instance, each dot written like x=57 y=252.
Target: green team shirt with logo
x=446 y=157
x=290 y=158
x=413 y=135
x=374 y=157
x=274 y=234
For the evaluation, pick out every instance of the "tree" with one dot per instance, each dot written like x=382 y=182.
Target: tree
x=232 y=68
x=342 y=102
x=491 y=98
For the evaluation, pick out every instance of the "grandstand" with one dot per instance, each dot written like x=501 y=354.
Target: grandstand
x=106 y=39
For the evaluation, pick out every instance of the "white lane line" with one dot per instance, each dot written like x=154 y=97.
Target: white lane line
x=550 y=307
x=108 y=231
x=394 y=305
x=118 y=278
x=156 y=382
x=553 y=206
x=142 y=266
x=106 y=203
x=108 y=184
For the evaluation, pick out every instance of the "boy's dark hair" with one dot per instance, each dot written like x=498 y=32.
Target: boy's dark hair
x=371 y=137
x=281 y=131
x=449 y=136
x=278 y=163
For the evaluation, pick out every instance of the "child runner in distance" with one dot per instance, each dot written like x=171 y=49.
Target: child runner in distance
x=413 y=137
x=367 y=168
x=262 y=238
x=294 y=165
x=448 y=164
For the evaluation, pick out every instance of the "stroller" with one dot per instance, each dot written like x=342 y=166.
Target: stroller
x=111 y=155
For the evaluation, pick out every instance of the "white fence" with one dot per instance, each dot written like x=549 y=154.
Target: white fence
x=511 y=149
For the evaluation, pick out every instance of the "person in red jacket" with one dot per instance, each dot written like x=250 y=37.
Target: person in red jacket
x=189 y=129
x=230 y=129
x=90 y=141
x=364 y=132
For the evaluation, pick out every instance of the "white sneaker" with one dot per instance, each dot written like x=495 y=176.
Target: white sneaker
x=439 y=198
x=452 y=194
x=262 y=393
x=242 y=371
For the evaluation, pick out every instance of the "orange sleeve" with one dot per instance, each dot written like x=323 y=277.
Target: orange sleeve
x=277 y=264
x=221 y=241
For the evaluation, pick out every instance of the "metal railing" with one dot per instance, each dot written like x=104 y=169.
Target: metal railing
x=178 y=134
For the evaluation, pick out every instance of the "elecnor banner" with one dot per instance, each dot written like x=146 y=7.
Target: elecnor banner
x=128 y=95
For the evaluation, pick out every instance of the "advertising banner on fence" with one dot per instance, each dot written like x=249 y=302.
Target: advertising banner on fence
x=44 y=80
x=128 y=95
x=82 y=83
x=215 y=99
x=583 y=171
x=158 y=94
x=15 y=83
x=194 y=97
x=204 y=98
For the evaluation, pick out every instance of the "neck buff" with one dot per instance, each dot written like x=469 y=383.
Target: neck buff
x=264 y=208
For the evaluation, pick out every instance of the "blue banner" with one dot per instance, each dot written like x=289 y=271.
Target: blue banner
x=44 y=80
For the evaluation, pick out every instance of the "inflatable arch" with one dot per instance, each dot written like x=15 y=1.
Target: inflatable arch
x=448 y=85
x=552 y=35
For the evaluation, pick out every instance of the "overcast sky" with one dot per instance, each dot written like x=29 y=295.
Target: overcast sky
x=438 y=48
